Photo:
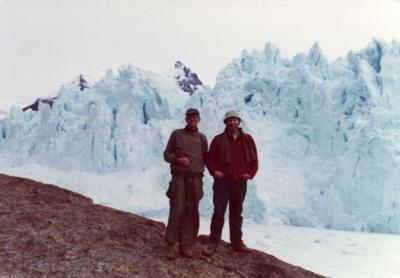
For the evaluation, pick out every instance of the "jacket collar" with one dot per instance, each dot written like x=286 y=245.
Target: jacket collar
x=230 y=135
x=190 y=129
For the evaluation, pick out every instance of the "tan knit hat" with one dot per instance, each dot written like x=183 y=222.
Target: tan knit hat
x=232 y=114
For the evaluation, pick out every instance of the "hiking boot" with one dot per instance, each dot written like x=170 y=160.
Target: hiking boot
x=240 y=247
x=210 y=249
x=186 y=250
x=171 y=254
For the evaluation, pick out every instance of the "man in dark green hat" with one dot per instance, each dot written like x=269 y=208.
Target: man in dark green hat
x=186 y=152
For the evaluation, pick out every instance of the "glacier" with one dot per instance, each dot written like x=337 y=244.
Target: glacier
x=328 y=134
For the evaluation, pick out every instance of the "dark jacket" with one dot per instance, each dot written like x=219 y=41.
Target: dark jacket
x=239 y=162
x=192 y=144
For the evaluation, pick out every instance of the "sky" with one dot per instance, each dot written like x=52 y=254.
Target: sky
x=46 y=43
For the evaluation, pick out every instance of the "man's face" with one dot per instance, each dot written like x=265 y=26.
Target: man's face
x=232 y=123
x=193 y=120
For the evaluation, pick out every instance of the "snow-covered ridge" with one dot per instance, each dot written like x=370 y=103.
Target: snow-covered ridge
x=6 y=103
x=3 y=114
x=327 y=133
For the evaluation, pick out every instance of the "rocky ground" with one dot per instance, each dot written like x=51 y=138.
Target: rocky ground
x=46 y=231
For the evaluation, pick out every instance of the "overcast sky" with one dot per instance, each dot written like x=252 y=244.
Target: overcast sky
x=45 y=43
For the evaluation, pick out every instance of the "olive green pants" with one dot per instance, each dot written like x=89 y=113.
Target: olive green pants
x=183 y=222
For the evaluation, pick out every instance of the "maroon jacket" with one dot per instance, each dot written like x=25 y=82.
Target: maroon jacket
x=238 y=164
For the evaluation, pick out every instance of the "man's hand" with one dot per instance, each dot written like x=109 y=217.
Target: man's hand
x=183 y=161
x=218 y=175
x=245 y=177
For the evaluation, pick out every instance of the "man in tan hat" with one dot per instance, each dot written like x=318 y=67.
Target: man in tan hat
x=232 y=161
x=186 y=152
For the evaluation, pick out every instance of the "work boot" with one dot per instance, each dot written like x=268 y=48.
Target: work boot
x=240 y=247
x=186 y=250
x=210 y=249
x=171 y=255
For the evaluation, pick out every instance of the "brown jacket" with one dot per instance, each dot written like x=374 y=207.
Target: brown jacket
x=192 y=144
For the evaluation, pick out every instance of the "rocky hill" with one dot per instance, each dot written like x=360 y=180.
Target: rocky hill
x=46 y=231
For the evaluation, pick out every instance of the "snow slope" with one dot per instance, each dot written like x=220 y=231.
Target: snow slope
x=327 y=135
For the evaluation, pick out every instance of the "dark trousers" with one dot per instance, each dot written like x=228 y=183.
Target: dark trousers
x=232 y=192
x=183 y=221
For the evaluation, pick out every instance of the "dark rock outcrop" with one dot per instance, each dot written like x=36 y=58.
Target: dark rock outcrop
x=46 y=231
x=35 y=106
x=187 y=80
x=83 y=84
x=79 y=82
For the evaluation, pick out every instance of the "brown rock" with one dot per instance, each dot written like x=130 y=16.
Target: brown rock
x=46 y=231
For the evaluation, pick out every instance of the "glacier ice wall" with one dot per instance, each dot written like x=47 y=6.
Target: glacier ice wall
x=327 y=133
x=100 y=130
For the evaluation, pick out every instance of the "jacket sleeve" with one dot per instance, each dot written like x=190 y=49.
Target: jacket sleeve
x=169 y=155
x=253 y=167
x=212 y=155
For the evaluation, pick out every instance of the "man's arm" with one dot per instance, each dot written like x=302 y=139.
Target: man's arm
x=169 y=155
x=212 y=157
x=254 y=163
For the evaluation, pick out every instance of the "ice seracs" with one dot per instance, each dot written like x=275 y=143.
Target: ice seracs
x=328 y=132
